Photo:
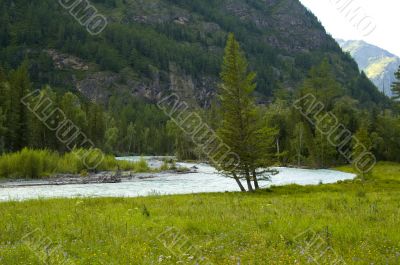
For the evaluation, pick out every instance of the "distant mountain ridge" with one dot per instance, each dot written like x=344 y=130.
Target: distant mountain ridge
x=378 y=64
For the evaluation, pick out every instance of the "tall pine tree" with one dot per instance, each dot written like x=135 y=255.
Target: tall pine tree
x=241 y=128
x=20 y=86
x=2 y=131
x=4 y=108
x=363 y=143
x=40 y=135
x=396 y=85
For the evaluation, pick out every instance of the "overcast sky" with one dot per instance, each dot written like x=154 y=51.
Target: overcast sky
x=382 y=14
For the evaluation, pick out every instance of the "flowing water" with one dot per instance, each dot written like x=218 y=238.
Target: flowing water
x=206 y=179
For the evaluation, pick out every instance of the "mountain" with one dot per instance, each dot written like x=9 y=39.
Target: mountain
x=108 y=83
x=378 y=64
x=155 y=46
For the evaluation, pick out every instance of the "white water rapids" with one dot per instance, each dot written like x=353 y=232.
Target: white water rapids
x=206 y=179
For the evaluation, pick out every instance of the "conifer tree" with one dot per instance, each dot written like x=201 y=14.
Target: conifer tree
x=396 y=85
x=20 y=86
x=297 y=144
x=4 y=109
x=262 y=144
x=363 y=144
x=183 y=146
x=73 y=111
x=130 y=137
x=111 y=139
x=323 y=152
x=40 y=135
x=2 y=131
x=96 y=124
x=241 y=128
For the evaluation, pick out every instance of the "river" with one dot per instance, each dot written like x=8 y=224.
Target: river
x=206 y=179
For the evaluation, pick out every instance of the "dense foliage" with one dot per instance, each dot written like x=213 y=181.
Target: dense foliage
x=34 y=164
x=146 y=37
x=302 y=142
x=126 y=125
x=129 y=126
x=145 y=46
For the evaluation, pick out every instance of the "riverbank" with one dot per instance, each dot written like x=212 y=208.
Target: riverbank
x=90 y=178
x=75 y=167
x=356 y=221
x=42 y=164
x=181 y=178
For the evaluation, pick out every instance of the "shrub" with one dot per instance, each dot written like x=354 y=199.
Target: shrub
x=142 y=166
x=28 y=163
x=33 y=164
x=164 y=166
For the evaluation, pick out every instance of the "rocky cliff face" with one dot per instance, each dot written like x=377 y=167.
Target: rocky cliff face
x=277 y=35
x=378 y=64
x=283 y=24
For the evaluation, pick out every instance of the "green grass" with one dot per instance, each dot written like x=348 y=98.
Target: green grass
x=359 y=220
x=384 y=171
x=29 y=163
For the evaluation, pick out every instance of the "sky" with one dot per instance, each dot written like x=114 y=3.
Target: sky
x=376 y=22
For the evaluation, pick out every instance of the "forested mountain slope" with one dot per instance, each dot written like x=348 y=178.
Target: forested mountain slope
x=148 y=43
x=107 y=84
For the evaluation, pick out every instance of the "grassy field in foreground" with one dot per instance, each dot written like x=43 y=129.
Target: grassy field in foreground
x=358 y=221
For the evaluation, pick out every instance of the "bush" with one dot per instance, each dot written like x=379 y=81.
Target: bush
x=142 y=166
x=28 y=164
x=164 y=166
x=34 y=164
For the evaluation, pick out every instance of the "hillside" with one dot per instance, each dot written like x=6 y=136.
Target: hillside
x=108 y=83
x=150 y=45
x=378 y=64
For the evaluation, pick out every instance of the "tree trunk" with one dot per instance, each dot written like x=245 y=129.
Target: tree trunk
x=239 y=183
x=300 y=147
x=130 y=145
x=248 y=180
x=256 y=186
x=278 y=149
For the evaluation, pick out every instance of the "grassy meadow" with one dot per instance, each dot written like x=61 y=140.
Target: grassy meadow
x=354 y=220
